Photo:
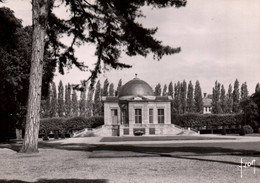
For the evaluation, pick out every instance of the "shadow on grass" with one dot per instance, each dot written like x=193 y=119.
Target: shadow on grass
x=58 y=181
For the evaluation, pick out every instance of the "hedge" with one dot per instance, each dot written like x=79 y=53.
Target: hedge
x=67 y=125
x=208 y=120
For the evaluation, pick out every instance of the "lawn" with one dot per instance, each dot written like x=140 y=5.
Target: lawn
x=171 y=162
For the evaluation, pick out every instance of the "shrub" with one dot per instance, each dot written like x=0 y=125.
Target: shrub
x=52 y=124
x=242 y=131
x=248 y=129
x=210 y=120
x=223 y=131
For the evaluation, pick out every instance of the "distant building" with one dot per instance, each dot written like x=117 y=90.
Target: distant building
x=207 y=104
x=137 y=111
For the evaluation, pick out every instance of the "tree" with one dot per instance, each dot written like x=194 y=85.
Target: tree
x=74 y=105
x=223 y=99
x=177 y=104
x=53 y=110
x=236 y=97
x=170 y=90
x=198 y=98
x=158 y=90
x=60 y=108
x=97 y=111
x=119 y=85
x=111 y=90
x=112 y=26
x=244 y=91
x=164 y=91
x=216 y=105
x=82 y=102
x=229 y=99
x=89 y=106
x=15 y=59
x=190 y=99
x=184 y=96
x=67 y=107
x=105 y=88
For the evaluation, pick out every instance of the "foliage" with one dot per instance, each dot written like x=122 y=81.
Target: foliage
x=223 y=100
x=247 y=129
x=105 y=88
x=111 y=90
x=119 y=85
x=15 y=59
x=82 y=102
x=190 y=99
x=211 y=120
x=67 y=107
x=170 y=90
x=216 y=105
x=236 y=97
x=229 y=100
x=198 y=98
x=183 y=96
x=74 y=104
x=70 y=124
x=97 y=108
x=244 y=91
x=60 y=109
x=164 y=93
x=158 y=90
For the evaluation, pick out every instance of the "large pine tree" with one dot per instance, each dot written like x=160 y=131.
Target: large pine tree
x=110 y=25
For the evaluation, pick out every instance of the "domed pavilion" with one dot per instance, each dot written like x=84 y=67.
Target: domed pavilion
x=136 y=110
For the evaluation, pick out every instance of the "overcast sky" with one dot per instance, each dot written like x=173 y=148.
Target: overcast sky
x=220 y=40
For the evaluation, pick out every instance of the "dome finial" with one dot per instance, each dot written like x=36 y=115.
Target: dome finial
x=135 y=75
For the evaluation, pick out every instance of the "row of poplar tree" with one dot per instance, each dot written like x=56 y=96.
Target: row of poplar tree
x=186 y=98
x=66 y=103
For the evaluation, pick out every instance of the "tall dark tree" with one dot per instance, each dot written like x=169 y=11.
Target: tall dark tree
x=170 y=90
x=105 y=88
x=177 y=104
x=82 y=102
x=15 y=60
x=216 y=104
x=119 y=85
x=53 y=110
x=244 y=91
x=158 y=90
x=223 y=99
x=184 y=96
x=67 y=106
x=190 y=98
x=111 y=26
x=60 y=108
x=111 y=91
x=229 y=99
x=97 y=108
x=89 y=105
x=164 y=93
x=198 y=98
x=236 y=97
x=74 y=103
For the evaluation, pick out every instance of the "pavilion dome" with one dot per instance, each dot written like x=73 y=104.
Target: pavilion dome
x=136 y=87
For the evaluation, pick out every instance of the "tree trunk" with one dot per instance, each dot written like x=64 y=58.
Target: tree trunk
x=39 y=18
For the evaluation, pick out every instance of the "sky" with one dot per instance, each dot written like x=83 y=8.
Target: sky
x=220 y=40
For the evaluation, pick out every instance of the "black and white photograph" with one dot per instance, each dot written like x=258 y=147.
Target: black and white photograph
x=129 y=91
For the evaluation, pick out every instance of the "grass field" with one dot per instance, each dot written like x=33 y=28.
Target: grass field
x=172 y=162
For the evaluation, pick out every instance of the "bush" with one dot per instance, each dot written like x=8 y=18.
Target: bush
x=242 y=131
x=248 y=129
x=223 y=131
x=63 y=126
x=194 y=120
